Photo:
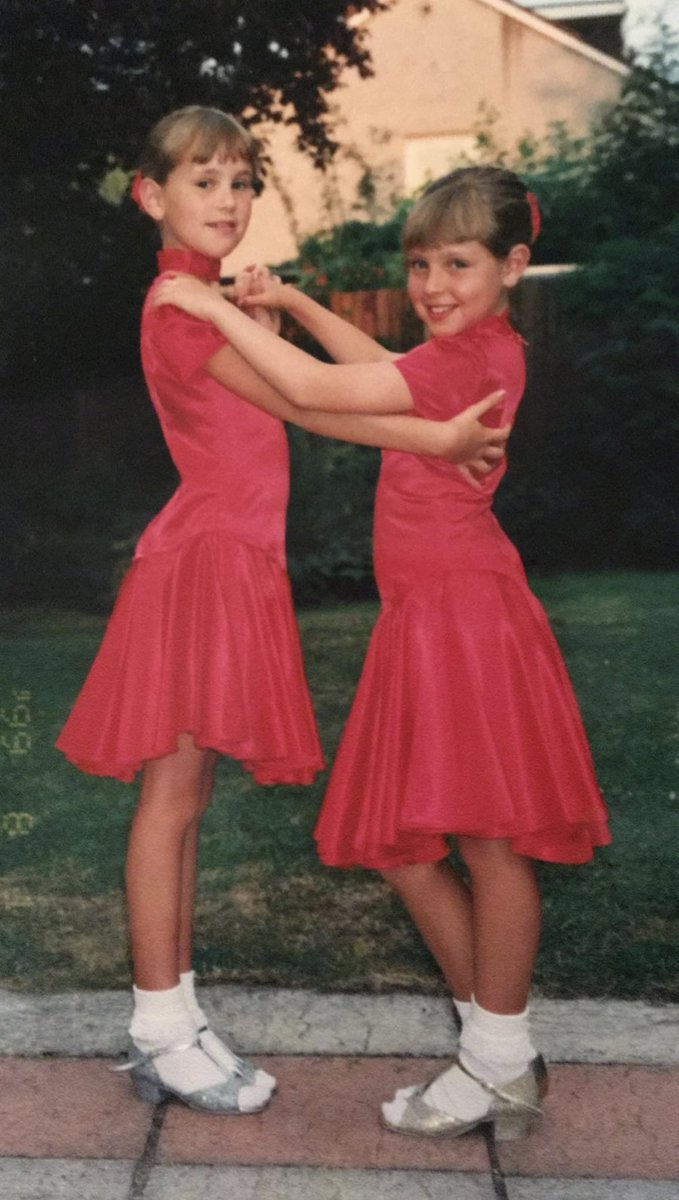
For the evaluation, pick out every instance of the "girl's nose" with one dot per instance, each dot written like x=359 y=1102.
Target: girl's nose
x=434 y=281
x=227 y=198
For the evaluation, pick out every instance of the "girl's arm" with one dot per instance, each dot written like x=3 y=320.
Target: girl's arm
x=367 y=387
x=342 y=340
x=461 y=440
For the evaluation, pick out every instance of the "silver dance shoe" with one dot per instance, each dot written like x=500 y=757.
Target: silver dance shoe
x=514 y=1111
x=232 y=1064
x=235 y=1095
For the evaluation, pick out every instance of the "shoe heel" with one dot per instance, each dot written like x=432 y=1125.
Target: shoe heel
x=148 y=1091
x=512 y=1126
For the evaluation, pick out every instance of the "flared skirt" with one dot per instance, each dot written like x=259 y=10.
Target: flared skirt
x=202 y=640
x=465 y=722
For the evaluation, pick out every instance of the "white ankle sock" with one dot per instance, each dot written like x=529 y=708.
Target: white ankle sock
x=187 y=983
x=463 y=1008
x=494 y=1047
x=162 y=1019
x=219 y=1052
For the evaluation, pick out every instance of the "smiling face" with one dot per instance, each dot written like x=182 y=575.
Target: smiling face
x=203 y=206
x=455 y=284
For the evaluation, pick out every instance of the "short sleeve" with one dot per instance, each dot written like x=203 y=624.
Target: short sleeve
x=185 y=343
x=444 y=376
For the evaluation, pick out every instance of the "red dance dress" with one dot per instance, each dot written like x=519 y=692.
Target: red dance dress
x=203 y=637
x=465 y=721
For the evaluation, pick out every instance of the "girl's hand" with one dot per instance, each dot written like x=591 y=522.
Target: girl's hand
x=267 y=291
x=193 y=295
x=252 y=284
x=473 y=446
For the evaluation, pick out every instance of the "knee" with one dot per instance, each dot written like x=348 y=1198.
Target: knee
x=408 y=878
x=176 y=808
x=481 y=855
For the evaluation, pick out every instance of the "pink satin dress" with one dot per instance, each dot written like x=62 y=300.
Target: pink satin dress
x=203 y=638
x=465 y=721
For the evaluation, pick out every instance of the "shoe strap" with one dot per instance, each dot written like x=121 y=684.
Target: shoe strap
x=149 y=1055
x=238 y=1063
x=496 y=1090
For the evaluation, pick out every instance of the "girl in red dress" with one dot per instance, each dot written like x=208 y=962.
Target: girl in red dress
x=201 y=656
x=465 y=722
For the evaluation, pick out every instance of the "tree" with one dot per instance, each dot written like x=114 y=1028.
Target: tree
x=81 y=80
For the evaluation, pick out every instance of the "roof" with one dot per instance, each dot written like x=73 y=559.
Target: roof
x=572 y=10
x=537 y=21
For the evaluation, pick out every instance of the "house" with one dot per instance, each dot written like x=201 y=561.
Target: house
x=444 y=69
x=598 y=22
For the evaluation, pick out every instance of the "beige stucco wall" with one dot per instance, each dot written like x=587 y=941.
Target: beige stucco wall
x=436 y=62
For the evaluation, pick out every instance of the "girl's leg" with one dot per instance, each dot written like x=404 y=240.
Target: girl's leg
x=189 y=867
x=218 y=1051
x=441 y=906
x=161 y=871
x=506 y=923
x=495 y=1041
x=161 y=862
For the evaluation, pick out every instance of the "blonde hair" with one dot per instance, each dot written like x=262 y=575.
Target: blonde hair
x=472 y=204
x=197 y=132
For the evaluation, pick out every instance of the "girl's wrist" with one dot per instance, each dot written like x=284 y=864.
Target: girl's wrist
x=291 y=299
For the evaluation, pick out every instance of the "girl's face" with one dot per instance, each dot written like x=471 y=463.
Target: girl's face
x=203 y=206
x=457 y=283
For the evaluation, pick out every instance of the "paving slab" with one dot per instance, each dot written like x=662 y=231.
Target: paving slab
x=55 y=1108
x=326 y=1114
x=293 y=1183
x=618 y=1122
x=289 y=1021
x=592 y=1189
x=65 y=1179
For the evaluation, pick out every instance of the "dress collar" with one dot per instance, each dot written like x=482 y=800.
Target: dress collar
x=189 y=262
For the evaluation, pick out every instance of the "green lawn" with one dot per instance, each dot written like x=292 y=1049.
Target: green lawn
x=268 y=913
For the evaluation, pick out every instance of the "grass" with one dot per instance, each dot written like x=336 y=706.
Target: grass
x=268 y=912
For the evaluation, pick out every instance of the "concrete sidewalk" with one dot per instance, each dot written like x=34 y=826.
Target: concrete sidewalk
x=71 y=1129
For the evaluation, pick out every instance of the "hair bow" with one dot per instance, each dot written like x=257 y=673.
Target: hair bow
x=535 y=217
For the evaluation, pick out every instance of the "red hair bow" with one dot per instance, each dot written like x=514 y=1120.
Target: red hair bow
x=135 y=191
x=535 y=218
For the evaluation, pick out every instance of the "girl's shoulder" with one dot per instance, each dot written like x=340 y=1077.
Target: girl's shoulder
x=183 y=343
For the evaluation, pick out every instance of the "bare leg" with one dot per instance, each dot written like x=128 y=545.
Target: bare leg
x=440 y=904
x=495 y=1041
x=506 y=921
x=189 y=867
x=163 y=838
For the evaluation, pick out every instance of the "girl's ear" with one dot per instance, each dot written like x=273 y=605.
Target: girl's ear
x=515 y=264
x=151 y=198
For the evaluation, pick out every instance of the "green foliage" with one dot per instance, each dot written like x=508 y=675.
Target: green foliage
x=620 y=181
x=624 y=313
x=330 y=518
x=354 y=256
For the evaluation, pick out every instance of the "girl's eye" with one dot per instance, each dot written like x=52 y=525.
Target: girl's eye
x=242 y=185
x=417 y=264
x=457 y=264
x=203 y=183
